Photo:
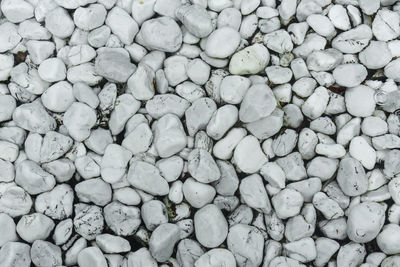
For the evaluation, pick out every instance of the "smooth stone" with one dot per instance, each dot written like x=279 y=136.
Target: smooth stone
x=246 y=243
x=15 y=254
x=258 y=102
x=30 y=176
x=376 y=55
x=387 y=239
x=8 y=231
x=251 y=60
x=195 y=19
x=112 y=244
x=211 y=228
x=146 y=177
x=123 y=220
x=9 y=36
x=169 y=136
x=363 y=152
x=254 y=194
x=365 y=221
x=59 y=22
x=141 y=83
x=57 y=203
x=88 y=220
x=91 y=17
x=163 y=240
x=248 y=155
x=351 y=177
x=94 y=190
x=350 y=75
x=114 y=65
x=34 y=226
x=54 y=146
x=79 y=120
x=287 y=203
x=386 y=25
x=44 y=253
x=217 y=46
x=161 y=34
x=91 y=256
x=353 y=40
x=202 y=166
x=34 y=118
x=122 y=25
x=360 y=101
x=216 y=257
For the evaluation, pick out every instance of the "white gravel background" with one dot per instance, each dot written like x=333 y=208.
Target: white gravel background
x=199 y=133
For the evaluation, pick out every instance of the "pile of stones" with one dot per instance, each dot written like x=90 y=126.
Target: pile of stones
x=205 y=133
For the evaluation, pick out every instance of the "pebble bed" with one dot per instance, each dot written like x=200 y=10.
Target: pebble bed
x=199 y=133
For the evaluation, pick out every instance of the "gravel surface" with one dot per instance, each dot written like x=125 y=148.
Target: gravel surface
x=199 y=133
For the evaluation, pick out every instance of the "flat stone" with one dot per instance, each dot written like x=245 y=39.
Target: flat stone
x=114 y=64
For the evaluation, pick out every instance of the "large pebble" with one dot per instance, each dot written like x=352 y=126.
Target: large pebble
x=251 y=60
x=376 y=55
x=146 y=177
x=216 y=257
x=17 y=11
x=196 y=19
x=287 y=203
x=57 y=203
x=44 y=253
x=79 y=120
x=9 y=36
x=91 y=17
x=54 y=146
x=246 y=243
x=363 y=152
x=88 y=220
x=141 y=83
x=254 y=194
x=216 y=45
x=199 y=114
x=161 y=34
x=258 y=102
x=122 y=25
x=7 y=107
x=15 y=254
x=353 y=40
x=94 y=190
x=8 y=230
x=202 y=166
x=163 y=240
x=33 y=117
x=34 y=226
x=386 y=25
x=316 y=103
x=360 y=101
x=58 y=97
x=123 y=220
x=349 y=75
x=210 y=226
x=387 y=239
x=59 y=22
x=365 y=221
x=351 y=177
x=91 y=256
x=248 y=155
x=169 y=136
x=114 y=64
x=30 y=176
